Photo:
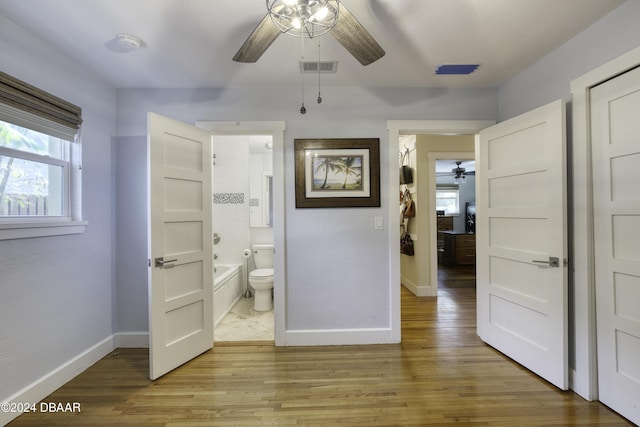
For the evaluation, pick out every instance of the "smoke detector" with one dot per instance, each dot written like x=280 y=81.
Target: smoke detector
x=126 y=43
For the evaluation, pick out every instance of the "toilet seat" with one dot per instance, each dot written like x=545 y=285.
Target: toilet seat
x=261 y=275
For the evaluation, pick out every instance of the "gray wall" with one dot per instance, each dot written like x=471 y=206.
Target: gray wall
x=337 y=264
x=549 y=78
x=57 y=293
x=132 y=314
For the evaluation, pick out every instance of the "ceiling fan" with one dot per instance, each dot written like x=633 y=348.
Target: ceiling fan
x=458 y=173
x=304 y=14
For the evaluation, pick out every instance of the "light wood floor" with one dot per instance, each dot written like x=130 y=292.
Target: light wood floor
x=440 y=375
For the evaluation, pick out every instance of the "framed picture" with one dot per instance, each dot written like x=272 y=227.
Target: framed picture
x=337 y=173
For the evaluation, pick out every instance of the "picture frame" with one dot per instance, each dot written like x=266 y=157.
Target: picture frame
x=337 y=173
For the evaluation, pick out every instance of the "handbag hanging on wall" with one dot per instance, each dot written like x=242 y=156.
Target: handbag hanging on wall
x=409 y=205
x=406 y=245
x=406 y=173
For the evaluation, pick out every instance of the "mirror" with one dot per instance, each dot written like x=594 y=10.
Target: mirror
x=260 y=181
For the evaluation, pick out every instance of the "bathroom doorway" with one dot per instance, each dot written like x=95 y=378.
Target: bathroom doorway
x=242 y=217
x=248 y=208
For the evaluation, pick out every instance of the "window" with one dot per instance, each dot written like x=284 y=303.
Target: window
x=448 y=199
x=34 y=170
x=39 y=165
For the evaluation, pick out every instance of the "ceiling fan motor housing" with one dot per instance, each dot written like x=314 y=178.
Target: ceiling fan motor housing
x=303 y=18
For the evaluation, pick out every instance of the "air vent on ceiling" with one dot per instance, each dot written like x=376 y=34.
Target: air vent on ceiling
x=318 y=66
x=456 y=69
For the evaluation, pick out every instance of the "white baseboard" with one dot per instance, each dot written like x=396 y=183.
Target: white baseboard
x=131 y=340
x=47 y=384
x=418 y=290
x=339 y=337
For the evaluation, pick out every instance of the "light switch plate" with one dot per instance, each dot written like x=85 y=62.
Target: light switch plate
x=379 y=223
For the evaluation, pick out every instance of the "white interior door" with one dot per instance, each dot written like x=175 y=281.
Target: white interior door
x=522 y=242
x=615 y=136
x=180 y=243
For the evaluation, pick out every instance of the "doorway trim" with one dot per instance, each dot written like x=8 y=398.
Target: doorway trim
x=276 y=130
x=433 y=157
x=412 y=127
x=584 y=375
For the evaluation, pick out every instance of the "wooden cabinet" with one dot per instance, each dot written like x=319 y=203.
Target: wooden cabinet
x=444 y=223
x=466 y=249
x=459 y=248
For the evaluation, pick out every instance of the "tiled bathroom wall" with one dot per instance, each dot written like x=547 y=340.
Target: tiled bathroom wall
x=231 y=198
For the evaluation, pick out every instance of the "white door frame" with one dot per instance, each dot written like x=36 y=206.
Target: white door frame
x=433 y=217
x=276 y=129
x=412 y=127
x=584 y=376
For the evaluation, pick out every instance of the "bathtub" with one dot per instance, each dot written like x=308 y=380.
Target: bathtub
x=227 y=289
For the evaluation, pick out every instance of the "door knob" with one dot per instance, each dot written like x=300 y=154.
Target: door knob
x=553 y=261
x=161 y=262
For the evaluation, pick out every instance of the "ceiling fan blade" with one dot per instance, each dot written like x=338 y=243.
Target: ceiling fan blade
x=355 y=38
x=258 y=42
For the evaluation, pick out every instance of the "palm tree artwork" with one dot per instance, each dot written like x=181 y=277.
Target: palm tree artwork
x=337 y=173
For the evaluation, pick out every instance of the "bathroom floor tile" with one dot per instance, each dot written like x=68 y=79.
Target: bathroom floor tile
x=243 y=323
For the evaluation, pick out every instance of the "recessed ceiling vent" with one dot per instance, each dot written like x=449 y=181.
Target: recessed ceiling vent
x=318 y=66
x=456 y=69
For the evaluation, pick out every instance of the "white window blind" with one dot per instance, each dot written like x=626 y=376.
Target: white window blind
x=33 y=108
x=39 y=170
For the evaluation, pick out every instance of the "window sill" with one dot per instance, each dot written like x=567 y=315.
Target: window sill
x=26 y=230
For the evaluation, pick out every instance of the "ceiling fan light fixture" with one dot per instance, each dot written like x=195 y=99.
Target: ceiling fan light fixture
x=303 y=18
x=320 y=14
x=459 y=173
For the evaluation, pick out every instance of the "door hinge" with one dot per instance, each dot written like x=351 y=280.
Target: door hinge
x=149 y=262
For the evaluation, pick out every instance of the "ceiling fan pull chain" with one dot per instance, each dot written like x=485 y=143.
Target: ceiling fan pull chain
x=302 y=109
x=319 y=96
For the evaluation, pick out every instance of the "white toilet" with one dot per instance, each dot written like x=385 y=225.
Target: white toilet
x=261 y=279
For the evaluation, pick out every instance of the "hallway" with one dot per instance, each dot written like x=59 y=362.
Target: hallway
x=451 y=317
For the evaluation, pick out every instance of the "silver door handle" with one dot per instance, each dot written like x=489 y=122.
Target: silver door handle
x=553 y=261
x=161 y=262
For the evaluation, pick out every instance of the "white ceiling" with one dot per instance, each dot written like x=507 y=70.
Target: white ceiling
x=190 y=43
